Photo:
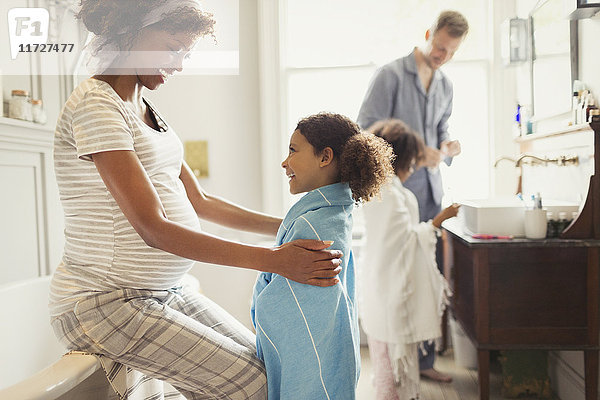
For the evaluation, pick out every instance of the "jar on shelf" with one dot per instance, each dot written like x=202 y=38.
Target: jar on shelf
x=37 y=111
x=19 y=106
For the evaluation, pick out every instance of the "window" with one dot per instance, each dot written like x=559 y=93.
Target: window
x=331 y=48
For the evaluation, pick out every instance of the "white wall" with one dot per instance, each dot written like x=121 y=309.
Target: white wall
x=589 y=57
x=224 y=110
x=504 y=95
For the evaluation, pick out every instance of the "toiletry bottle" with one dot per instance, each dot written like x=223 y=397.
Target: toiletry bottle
x=574 y=104
x=594 y=115
x=517 y=122
x=551 y=230
x=591 y=106
x=525 y=120
x=579 y=105
x=19 y=106
x=37 y=111
x=563 y=222
x=583 y=103
x=537 y=201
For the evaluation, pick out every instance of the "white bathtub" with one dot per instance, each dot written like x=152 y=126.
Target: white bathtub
x=33 y=366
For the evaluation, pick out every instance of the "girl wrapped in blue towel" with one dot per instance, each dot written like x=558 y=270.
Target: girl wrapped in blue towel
x=308 y=336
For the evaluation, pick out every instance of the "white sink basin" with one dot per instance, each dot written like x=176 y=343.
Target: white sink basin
x=503 y=215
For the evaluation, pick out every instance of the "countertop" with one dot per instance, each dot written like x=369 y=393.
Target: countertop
x=455 y=227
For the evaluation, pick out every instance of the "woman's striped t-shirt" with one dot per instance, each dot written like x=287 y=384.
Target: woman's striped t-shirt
x=103 y=252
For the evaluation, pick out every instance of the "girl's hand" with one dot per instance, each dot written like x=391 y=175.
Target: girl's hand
x=451 y=211
x=448 y=212
x=306 y=261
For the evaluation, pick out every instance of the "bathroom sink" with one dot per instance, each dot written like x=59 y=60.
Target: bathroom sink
x=503 y=215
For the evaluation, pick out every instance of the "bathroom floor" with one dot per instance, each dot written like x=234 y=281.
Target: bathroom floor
x=463 y=385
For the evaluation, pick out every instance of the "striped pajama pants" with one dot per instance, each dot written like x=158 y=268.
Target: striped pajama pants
x=180 y=337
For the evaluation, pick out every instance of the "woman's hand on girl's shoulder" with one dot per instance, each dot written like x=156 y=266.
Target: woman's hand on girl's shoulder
x=307 y=261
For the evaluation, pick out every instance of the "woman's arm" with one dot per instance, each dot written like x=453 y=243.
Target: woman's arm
x=127 y=181
x=222 y=212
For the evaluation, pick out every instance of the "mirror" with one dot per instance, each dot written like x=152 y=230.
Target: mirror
x=554 y=59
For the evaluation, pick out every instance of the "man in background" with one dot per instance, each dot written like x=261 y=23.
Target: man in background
x=413 y=89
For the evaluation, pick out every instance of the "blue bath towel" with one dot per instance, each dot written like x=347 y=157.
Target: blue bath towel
x=308 y=336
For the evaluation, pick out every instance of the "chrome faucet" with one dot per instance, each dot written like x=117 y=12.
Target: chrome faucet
x=536 y=160
x=504 y=158
x=560 y=161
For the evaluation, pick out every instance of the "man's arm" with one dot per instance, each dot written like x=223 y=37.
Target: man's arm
x=220 y=211
x=379 y=101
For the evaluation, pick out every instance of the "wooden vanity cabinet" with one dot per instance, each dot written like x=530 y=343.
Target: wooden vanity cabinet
x=526 y=294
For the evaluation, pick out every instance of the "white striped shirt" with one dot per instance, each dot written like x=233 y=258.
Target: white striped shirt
x=103 y=252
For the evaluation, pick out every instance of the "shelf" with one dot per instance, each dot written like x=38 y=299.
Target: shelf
x=564 y=131
x=25 y=124
x=17 y=132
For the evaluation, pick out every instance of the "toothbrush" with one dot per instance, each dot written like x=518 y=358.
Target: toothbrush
x=484 y=236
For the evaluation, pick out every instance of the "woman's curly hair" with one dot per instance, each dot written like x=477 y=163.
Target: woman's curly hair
x=120 y=21
x=365 y=161
x=407 y=144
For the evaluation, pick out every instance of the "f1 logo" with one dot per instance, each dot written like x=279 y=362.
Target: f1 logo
x=27 y=26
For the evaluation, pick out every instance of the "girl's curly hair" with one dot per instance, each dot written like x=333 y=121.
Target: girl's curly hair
x=120 y=21
x=407 y=144
x=364 y=160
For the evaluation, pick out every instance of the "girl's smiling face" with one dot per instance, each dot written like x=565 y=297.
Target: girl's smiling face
x=302 y=166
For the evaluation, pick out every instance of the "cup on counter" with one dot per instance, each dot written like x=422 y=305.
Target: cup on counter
x=536 y=223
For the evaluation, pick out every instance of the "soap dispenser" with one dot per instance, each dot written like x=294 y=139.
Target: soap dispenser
x=590 y=107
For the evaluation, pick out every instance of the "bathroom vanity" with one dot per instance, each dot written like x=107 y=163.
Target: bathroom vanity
x=526 y=294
